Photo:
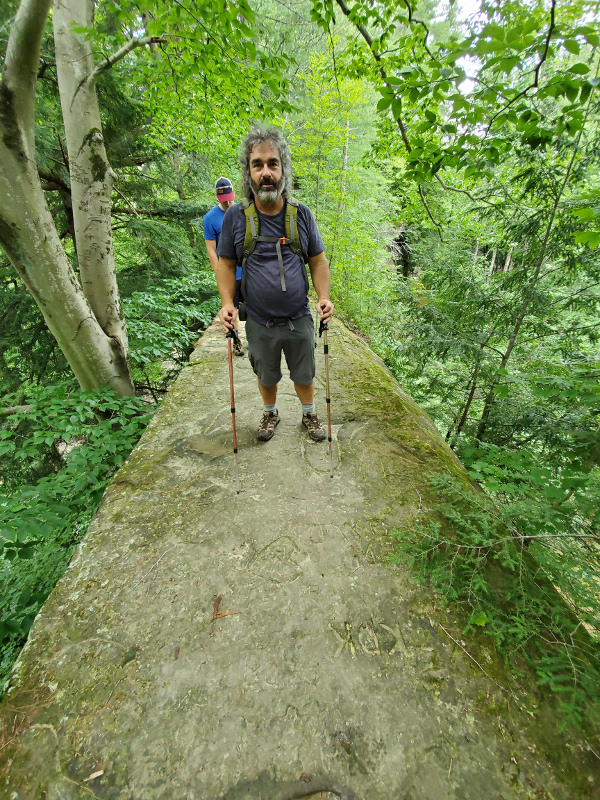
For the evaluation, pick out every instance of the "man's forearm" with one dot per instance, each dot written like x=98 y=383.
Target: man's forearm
x=321 y=279
x=211 y=249
x=225 y=273
x=214 y=261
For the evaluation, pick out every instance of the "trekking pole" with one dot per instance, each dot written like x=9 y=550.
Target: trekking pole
x=323 y=330
x=232 y=334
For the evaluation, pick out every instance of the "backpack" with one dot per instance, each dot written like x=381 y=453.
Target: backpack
x=291 y=238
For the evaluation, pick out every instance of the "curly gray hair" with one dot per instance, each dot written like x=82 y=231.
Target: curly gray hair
x=259 y=135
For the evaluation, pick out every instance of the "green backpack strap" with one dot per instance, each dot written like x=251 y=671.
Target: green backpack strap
x=252 y=228
x=252 y=235
x=291 y=228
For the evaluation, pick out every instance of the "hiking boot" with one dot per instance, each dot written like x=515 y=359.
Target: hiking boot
x=315 y=429
x=266 y=429
x=238 y=350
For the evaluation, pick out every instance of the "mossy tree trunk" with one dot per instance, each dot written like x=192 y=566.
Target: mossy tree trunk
x=91 y=175
x=86 y=322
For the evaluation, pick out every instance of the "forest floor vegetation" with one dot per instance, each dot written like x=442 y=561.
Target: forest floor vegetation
x=60 y=446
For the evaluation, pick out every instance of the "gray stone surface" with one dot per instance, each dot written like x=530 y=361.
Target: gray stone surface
x=324 y=673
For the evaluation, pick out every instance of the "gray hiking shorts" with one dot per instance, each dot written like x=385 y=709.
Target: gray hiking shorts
x=266 y=344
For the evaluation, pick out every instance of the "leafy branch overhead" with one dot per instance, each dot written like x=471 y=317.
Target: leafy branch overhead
x=204 y=64
x=203 y=52
x=466 y=103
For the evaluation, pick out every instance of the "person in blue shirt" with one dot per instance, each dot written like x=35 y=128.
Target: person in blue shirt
x=213 y=223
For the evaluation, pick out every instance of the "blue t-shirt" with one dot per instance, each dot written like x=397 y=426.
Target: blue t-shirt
x=262 y=283
x=213 y=223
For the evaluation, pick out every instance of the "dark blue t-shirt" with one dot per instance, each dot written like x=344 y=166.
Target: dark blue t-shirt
x=263 y=295
x=213 y=223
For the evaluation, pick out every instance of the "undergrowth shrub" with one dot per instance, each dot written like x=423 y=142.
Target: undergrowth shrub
x=59 y=447
x=163 y=324
x=480 y=556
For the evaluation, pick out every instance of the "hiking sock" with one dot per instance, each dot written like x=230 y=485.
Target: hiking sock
x=308 y=408
x=272 y=408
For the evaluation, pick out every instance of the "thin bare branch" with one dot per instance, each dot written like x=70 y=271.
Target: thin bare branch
x=428 y=210
x=463 y=191
x=536 y=71
x=120 y=54
x=474 y=661
x=422 y=24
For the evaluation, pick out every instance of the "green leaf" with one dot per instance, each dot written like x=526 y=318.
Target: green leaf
x=572 y=45
x=592 y=238
x=508 y=64
x=571 y=91
x=586 y=90
x=579 y=69
x=483 y=47
x=584 y=213
x=154 y=28
x=479 y=618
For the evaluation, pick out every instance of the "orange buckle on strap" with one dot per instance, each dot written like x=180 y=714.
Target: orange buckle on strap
x=284 y=240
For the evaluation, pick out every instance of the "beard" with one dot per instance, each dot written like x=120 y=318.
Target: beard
x=268 y=191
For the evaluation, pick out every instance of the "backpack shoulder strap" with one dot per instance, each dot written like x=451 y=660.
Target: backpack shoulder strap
x=291 y=227
x=252 y=228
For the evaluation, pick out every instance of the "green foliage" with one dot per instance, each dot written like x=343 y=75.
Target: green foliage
x=59 y=448
x=532 y=84
x=28 y=351
x=461 y=220
x=479 y=556
x=329 y=142
x=165 y=322
x=207 y=60
x=151 y=250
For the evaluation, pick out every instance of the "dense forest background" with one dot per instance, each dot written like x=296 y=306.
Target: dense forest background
x=451 y=161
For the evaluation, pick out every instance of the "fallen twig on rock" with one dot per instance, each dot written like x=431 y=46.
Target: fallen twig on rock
x=218 y=614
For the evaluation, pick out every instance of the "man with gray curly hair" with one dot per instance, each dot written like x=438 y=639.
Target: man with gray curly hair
x=274 y=237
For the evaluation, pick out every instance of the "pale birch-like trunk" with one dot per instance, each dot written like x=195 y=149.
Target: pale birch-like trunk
x=493 y=264
x=27 y=230
x=91 y=175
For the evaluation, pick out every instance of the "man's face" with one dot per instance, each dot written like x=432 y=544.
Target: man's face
x=266 y=176
x=226 y=204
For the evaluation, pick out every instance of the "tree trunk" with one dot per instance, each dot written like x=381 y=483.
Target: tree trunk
x=472 y=386
x=91 y=175
x=493 y=264
x=528 y=297
x=27 y=230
